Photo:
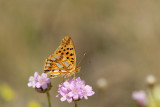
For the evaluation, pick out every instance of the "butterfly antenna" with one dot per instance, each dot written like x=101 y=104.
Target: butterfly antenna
x=82 y=58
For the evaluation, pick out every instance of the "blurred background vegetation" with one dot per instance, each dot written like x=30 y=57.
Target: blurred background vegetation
x=121 y=39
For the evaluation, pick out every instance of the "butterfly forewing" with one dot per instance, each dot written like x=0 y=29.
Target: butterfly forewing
x=63 y=61
x=67 y=49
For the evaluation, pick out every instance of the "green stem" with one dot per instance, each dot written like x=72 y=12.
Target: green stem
x=49 y=100
x=75 y=102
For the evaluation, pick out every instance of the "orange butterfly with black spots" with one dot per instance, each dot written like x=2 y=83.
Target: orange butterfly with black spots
x=62 y=63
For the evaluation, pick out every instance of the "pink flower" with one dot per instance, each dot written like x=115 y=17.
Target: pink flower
x=87 y=92
x=140 y=97
x=43 y=81
x=74 y=89
x=40 y=82
x=33 y=80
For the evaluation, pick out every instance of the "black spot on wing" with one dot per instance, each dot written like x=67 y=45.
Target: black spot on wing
x=67 y=53
x=71 y=54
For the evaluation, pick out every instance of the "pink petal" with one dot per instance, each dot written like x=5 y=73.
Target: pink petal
x=75 y=97
x=31 y=78
x=63 y=98
x=57 y=95
x=33 y=86
x=86 y=97
x=62 y=93
x=38 y=85
x=66 y=84
x=69 y=100
x=36 y=74
x=70 y=94
x=29 y=84
x=44 y=86
x=88 y=88
x=44 y=75
x=90 y=93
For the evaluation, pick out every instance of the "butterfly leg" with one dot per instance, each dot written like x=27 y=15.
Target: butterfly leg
x=74 y=75
x=63 y=79
x=65 y=76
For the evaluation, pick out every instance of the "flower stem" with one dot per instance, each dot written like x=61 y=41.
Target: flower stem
x=75 y=102
x=49 y=100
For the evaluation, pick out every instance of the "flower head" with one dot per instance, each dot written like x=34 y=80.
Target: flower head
x=40 y=82
x=74 y=89
x=140 y=97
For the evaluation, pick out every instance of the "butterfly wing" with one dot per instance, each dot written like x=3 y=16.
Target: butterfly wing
x=67 y=49
x=63 y=61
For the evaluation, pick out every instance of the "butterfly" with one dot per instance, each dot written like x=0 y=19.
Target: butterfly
x=62 y=63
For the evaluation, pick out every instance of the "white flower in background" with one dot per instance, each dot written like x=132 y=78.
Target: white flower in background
x=102 y=83
x=151 y=80
x=140 y=97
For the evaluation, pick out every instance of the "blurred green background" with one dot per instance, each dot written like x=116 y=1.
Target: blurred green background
x=121 y=39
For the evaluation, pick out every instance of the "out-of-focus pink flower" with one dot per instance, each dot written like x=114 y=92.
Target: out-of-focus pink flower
x=74 y=89
x=140 y=97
